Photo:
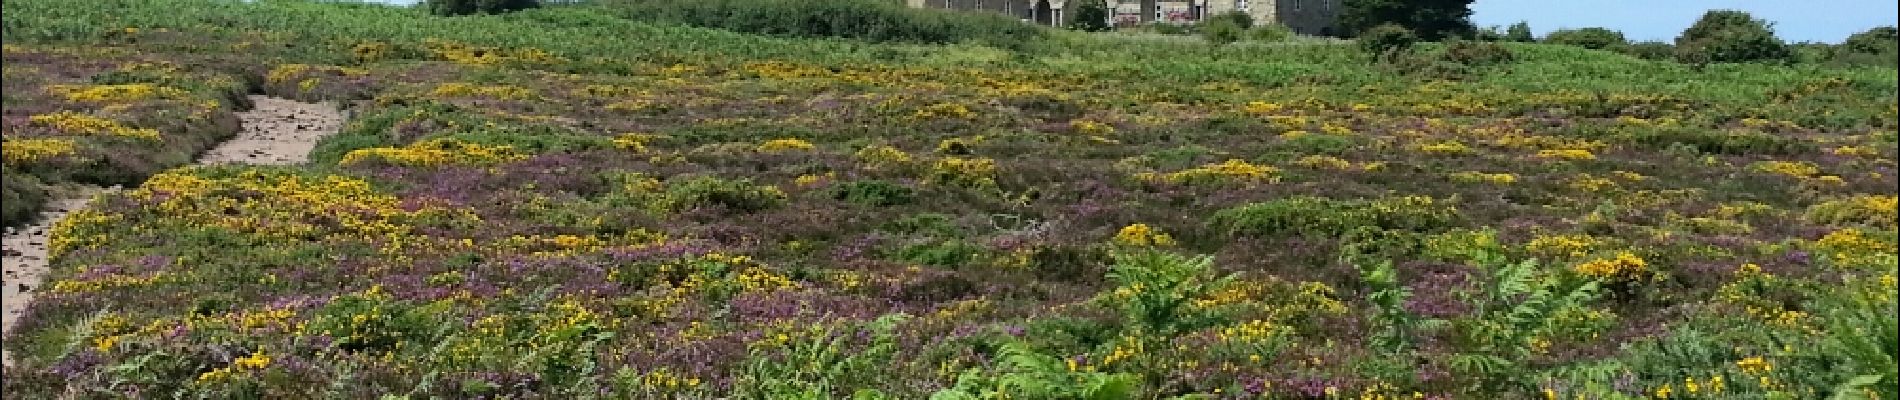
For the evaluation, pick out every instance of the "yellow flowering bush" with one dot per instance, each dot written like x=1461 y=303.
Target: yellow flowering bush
x=504 y=92
x=27 y=151
x=1624 y=267
x=437 y=152
x=1143 y=235
x=1797 y=169
x=1323 y=162
x=1093 y=128
x=968 y=172
x=1501 y=178
x=116 y=93
x=880 y=156
x=1567 y=154
x=1230 y=171
x=1446 y=148
x=1871 y=210
x=785 y=145
x=943 y=110
x=76 y=123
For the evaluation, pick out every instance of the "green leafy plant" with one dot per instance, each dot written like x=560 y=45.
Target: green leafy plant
x=1384 y=41
x=1026 y=373
x=1589 y=38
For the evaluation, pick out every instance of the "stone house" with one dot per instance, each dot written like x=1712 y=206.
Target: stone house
x=1306 y=17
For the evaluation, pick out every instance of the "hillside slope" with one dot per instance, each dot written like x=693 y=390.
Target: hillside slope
x=558 y=203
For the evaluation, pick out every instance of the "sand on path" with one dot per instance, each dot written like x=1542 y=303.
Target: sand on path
x=275 y=132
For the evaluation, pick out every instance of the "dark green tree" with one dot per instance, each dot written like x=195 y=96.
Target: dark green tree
x=1519 y=32
x=1430 y=19
x=467 y=7
x=1881 y=40
x=1589 y=38
x=1730 y=36
x=1090 y=16
x=1385 y=41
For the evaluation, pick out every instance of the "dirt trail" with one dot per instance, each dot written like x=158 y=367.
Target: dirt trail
x=275 y=132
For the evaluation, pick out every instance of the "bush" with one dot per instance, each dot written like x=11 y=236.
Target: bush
x=1476 y=54
x=1650 y=50
x=1322 y=217
x=874 y=193
x=1879 y=40
x=737 y=195
x=1241 y=19
x=1519 y=32
x=1386 y=39
x=1090 y=16
x=1878 y=46
x=1589 y=38
x=468 y=7
x=873 y=20
x=21 y=196
x=1271 y=33
x=1222 y=31
x=1725 y=36
x=1429 y=20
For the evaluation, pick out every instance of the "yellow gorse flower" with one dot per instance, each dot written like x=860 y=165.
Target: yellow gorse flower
x=1143 y=235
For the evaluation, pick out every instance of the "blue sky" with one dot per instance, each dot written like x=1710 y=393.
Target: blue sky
x=1795 y=20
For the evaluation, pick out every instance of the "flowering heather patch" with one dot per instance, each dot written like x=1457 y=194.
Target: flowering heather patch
x=570 y=216
x=104 y=116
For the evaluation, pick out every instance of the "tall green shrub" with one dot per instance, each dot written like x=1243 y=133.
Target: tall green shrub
x=1589 y=38
x=1090 y=16
x=1723 y=36
x=468 y=7
x=1519 y=32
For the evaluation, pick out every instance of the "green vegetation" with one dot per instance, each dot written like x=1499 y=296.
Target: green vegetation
x=586 y=201
x=1589 y=38
x=1431 y=20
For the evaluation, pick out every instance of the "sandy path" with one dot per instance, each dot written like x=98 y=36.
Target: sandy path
x=275 y=132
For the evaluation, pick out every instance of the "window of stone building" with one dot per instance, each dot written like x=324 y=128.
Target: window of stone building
x=1296 y=5
x=1240 y=5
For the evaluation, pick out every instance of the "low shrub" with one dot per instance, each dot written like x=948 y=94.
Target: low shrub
x=1384 y=40
x=1589 y=38
x=874 y=193
x=1321 y=217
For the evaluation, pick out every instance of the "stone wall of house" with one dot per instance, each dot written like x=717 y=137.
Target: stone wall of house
x=1307 y=17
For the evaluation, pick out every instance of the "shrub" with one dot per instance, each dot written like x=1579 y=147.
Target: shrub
x=738 y=195
x=1090 y=16
x=1430 y=20
x=1386 y=39
x=1321 y=217
x=1879 y=40
x=1650 y=50
x=1519 y=32
x=873 y=20
x=1476 y=54
x=467 y=7
x=1271 y=33
x=1877 y=46
x=20 y=197
x=948 y=253
x=1240 y=19
x=1725 y=36
x=875 y=193
x=1222 y=31
x=1589 y=38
